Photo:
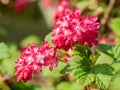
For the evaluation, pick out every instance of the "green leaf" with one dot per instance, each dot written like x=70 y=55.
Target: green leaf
x=103 y=81
x=86 y=79
x=115 y=84
x=106 y=49
x=104 y=69
x=49 y=39
x=115 y=25
x=103 y=5
x=56 y=71
x=66 y=69
x=3 y=51
x=103 y=75
x=22 y=86
x=85 y=74
x=13 y=51
x=68 y=86
x=83 y=4
x=30 y=40
x=116 y=67
x=103 y=58
x=8 y=66
x=110 y=50
x=116 y=53
x=80 y=68
x=82 y=50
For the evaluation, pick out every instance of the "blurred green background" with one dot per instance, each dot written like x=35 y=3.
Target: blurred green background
x=14 y=26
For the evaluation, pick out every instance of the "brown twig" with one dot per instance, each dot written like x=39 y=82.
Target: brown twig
x=104 y=21
x=105 y=17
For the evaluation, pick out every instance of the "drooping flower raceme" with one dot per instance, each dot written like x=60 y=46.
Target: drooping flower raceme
x=49 y=55
x=30 y=61
x=33 y=59
x=60 y=9
x=72 y=29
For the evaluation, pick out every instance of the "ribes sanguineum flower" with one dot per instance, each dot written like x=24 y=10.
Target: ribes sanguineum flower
x=47 y=3
x=32 y=59
x=106 y=40
x=60 y=9
x=72 y=29
x=22 y=4
x=49 y=55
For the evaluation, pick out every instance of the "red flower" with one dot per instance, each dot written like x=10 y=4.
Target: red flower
x=47 y=3
x=107 y=40
x=61 y=8
x=49 y=55
x=72 y=29
x=22 y=4
x=32 y=59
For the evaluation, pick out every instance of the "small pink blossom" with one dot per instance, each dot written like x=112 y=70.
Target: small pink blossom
x=72 y=29
x=67 y=57
x=61 y=8
x=47 y=3
x=30 y=61
x=112 y=42
x=20 y=5
x=105 y=40
x=49 y=55
x=102 y=41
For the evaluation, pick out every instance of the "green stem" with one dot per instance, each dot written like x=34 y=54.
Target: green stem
x=63 y=61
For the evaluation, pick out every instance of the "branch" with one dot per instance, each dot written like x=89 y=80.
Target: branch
x=104 y=21
x=105 y=17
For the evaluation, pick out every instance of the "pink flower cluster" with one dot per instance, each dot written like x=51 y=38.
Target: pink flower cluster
x=47 y=3
x=105 y=40
x=69 y=30
x=61 y=7
x=22 y=4
x=33 y=59
x=72 y=29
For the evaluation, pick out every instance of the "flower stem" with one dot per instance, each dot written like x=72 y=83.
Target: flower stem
x=63 y=61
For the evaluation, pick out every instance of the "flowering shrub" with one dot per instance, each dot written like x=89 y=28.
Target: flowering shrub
x=70 y=41
x=75 y=40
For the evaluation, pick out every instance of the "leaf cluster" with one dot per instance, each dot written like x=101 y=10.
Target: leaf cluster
x=100 y=71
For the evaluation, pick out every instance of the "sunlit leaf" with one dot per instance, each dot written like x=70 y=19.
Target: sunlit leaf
x=49 y=39
x=106 y=49
x=68 y=86
x=30 y=40
x=3 y=51
x=115 y=25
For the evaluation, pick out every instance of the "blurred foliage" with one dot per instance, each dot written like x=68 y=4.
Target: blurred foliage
x=115 y=25
x=4 y=86
x=30 y=40
x=3 y=51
